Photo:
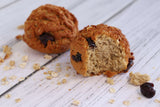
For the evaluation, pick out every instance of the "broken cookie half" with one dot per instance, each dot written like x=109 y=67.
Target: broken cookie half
x=101 y=49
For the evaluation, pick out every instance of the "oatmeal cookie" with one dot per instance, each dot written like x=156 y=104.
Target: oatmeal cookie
x=50 y=29
x=100 y=49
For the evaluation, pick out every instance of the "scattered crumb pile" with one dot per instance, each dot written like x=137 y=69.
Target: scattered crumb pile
x=7 y=51
x=50 y=75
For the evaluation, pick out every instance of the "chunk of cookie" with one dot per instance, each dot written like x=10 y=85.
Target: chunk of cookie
x=101 y=49
x=50 y=29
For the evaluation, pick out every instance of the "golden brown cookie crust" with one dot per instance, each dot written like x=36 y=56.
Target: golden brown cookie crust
x=52 y=19
x=81 y=45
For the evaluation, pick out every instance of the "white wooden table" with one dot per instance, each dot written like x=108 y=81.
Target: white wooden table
x=139 y=20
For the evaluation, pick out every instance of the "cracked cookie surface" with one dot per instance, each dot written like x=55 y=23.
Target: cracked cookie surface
x=50 y=29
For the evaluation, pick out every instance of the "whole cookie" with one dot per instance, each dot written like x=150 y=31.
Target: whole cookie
x=50 y=29
x=100 y=49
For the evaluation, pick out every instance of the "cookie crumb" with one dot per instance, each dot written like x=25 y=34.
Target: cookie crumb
x=158 y=79
x=69 y=89
x=138 y=79
x=12 y=63
x=64 y=81
x=7 y=96
x=4 y=81
x=13 y=77
x=75 y=102
x=20 y=27
x=36 y=66
x=111 y=101
x=58 y=83
x=7 y=51
x=25 y=58
x=21 y=79
x=58 y=69
x=44 y=67
x=127 y=103
x=6 y=68
x=49 y=77
x=67 y=75
x=17 y=100
x=54 y=74
x=110 y=81
x=58 y=64
x=22 y=65
x=45 y=73
x=1 y=60
x=19 y=37
x=47 y=56
x=139 y=98
x=157 y=101
x=112 y=90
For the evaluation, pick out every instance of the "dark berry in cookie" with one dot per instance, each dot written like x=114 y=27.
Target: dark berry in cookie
x=90 y=42
x=130 y=63
x=45 y=37
x=77 y=57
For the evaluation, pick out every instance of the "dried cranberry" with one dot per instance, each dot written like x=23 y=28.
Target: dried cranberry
x=91 y=42
x=130 y=63
x=45 y=37
x=77 y=57
x=147 y=89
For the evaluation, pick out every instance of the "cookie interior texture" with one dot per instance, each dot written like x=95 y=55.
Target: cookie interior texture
x=107 y=55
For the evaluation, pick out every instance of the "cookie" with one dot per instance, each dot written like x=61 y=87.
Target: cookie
x=99 y=50
x=50 y=29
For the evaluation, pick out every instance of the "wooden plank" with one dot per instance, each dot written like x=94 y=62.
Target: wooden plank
x=38 y=80
x=98 y=11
